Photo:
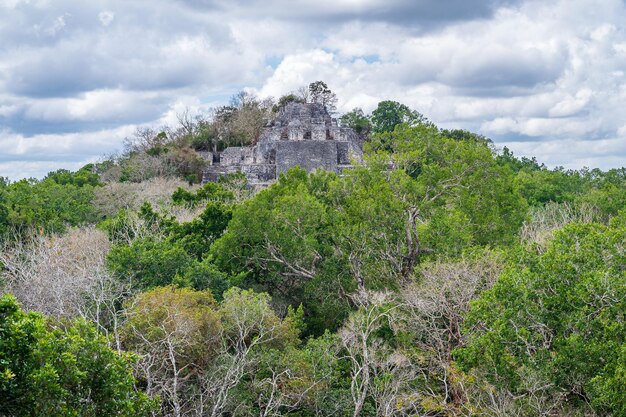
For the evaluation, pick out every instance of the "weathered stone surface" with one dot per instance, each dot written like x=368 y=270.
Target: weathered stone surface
x=343 y=153
x=236 y=155
x=302 y=134
x=309 y=155
x=260 y=173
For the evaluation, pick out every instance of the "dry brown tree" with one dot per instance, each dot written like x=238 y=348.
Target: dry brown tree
x=435 y=307
x=64 y=276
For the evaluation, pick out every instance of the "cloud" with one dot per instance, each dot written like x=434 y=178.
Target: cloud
x=35 y=156
x=573 y=153
x=26 y=156
x=148 y=48
x=72 y=66
x=16 y=170
x=106 y=17
x=70 y=147
x=419 y=15
x=538 y=127
x=93 y=110
x=549 y=79
x=533 y=74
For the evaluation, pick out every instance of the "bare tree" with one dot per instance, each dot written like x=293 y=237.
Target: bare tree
x=241 y=122
x=535 y=397
x=298 y=377
x=194 y=353
x=435 y=307
x=539 y=230
x=249 y=325
x=378 y=371
x=177 y=332
x=186 y=122
x=116 y=196
x=303 y=93
x=64 y=276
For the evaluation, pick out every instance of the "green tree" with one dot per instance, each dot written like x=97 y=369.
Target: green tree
x=460 y=134
x=463 y=175
x=64 y=371
x=558 y=316
x=160 y=250
x=148 y=263
x=49 y=205
x=178 y=334
x=4 y=210
x=282 y=240
x=320 y=93
x=506 y=157
x=211 y=191
x=388 y=114
x=286 y=99
x=542 y=186
x=84 y=176
x=605 y=190
x=369 y=225
x=205 y=275
x=358 y=121
x=315 y=239
x=196 y=236
x=204 y=135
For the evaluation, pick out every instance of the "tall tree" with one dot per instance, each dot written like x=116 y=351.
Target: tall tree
x=358 y=121
x=388 y=114
x=320 y=93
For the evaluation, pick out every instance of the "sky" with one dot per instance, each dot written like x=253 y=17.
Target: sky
x=546 y=78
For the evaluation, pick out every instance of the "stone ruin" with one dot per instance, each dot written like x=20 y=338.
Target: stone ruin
x=302 y=134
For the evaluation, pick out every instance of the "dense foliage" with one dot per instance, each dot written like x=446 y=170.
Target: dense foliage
x=61 y=199
x=63 y=371
x=443 y=277
x=558 y=316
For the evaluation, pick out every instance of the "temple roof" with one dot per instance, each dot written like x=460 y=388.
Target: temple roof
x=294 y=113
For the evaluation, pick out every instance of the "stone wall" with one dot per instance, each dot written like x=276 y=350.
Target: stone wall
x=309 y=155
x=259 y=173
x=236 y=155
x=213 y=172
x=256 y=173
x=343 y=153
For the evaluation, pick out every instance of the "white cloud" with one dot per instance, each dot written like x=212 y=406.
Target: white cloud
x=56 y=146
x=106 y=17
x=574 y=153
x=571 y=105
x=298 y=70
x=547 y=78
x=35 y=156
x=93 y=105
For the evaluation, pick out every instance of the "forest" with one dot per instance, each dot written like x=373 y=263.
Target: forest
x=442 y=277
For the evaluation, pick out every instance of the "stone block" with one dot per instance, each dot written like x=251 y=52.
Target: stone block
x=343 y=153
x=309 y=155
x=231 y=156
x=260 y=172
